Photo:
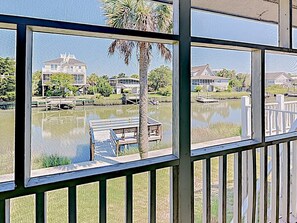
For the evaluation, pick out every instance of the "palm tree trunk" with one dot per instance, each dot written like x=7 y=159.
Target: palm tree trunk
x=143 y=101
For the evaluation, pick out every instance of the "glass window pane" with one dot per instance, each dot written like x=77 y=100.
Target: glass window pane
x=89 y=116
x=217 y=99
x=239 y=20
x=96 y=12
x=7 y=103
x=280 y=93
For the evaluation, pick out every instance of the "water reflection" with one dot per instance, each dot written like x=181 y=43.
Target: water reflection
x=66 y=132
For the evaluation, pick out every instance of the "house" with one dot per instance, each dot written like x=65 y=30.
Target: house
x=278 y=78
x=125 y=83
x=65 y=64
x=204 y=76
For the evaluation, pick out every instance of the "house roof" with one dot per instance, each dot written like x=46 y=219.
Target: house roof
x=199 y=69
x=208 y=77
x=275 y=75
x=65 y=59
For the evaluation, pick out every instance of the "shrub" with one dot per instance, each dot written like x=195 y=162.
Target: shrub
x=10 y=96
x=127 y=91
x=98 y=96
x=46 y=161
x=166 y=91
x=198 y=88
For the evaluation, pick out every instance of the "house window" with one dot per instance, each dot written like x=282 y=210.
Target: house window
x=54 y=66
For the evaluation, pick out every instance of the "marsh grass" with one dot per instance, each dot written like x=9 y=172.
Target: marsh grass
x=53 y=160
x=215 y=131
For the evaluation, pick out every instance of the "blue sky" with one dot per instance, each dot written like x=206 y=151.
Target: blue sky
x=93 y=51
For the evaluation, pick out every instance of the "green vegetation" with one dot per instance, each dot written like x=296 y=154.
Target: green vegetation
x=237 y=81
x=7 y=88
x=7 y=66
x=198 y=88
x=46 y=161
x=215 y=131
x=7 y=79
x=160 y=77
x=220 y=95
x=99 y=85
x=37 y=83
x=61 y=84
x=278 y=89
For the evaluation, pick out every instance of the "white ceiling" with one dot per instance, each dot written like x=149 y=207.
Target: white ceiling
x=260 y=10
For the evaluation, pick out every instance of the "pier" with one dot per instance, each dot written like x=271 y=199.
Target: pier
x=109 y=136
x=206 y=100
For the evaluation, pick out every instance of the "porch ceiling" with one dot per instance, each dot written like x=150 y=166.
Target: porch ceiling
x=260 y=10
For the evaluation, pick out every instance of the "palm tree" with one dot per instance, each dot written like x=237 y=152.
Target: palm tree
x=144 y=16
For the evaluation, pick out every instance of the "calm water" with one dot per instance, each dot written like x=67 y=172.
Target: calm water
x=66 y=132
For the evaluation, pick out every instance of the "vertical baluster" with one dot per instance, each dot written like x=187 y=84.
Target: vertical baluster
x=275 y=185
x=237 y=187
x=222 y=189
x=206 y=191
x=276 y=123
x=2 y=211
x=102 y=201
x=252 y=176
x=294 y=179
x=41 y=207
x=72 y=212
x=263 y=185
x=152 y=197
x=270 y=122
x=284 y=122
x=285 y=185
x=129 y=199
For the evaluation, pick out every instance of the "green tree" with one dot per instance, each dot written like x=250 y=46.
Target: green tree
x=60 y=82
x=93 y=80
x=7 y=88
x=227 y=73
x=136 y=76
x=105 y=77
x=104 y=88
x=198 y=88
x=148 y=17
x=121 y=75
x=37 y=83
x=160 y=77
x=7 y=66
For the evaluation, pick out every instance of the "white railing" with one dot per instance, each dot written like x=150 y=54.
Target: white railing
x=280 y=117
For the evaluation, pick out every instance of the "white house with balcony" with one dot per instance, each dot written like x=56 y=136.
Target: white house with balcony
x=125 y=83
x=65 y=64
x=205 y=77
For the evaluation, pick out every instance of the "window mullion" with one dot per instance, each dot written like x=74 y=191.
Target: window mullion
x=182 y=175
x=23 y=105
x=285 y=23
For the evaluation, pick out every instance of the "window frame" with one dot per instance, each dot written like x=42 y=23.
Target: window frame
x=181 y=161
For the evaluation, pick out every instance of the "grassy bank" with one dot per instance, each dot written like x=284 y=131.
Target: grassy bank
x=220 y=95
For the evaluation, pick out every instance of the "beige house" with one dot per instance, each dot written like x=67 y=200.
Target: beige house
x=65 y=64
x=205 y=77
x=278 y=78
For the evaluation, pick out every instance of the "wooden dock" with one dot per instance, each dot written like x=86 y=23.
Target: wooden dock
x=59 y=103
x=109 y=136
x=206 y=100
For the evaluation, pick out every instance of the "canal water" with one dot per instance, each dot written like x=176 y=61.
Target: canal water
x=66 y=132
